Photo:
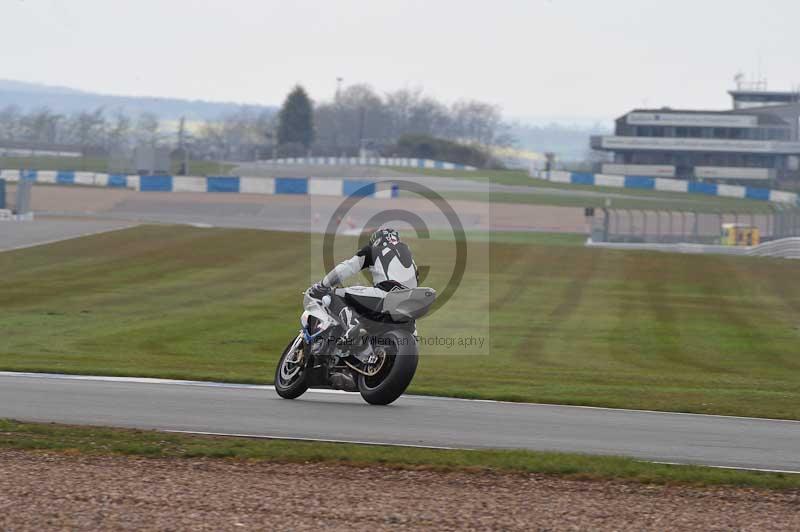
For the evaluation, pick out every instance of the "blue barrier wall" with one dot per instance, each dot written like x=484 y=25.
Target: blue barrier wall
x=222 y=184
x=635 y=181
x=702 y=188
x=354 y=187
x=155 y=183
x=291 y=185
x=64 y=177
x=756 y=193
x=2 y=193
x=28 y=174
x=118 y=180
x=582 y=179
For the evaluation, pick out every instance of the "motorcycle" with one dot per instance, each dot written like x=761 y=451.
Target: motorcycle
x=378 y=362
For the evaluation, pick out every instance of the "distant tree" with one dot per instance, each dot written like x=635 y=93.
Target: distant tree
x=118 y=131
x=147 y=129
x=87 y=127
x=10 y=118
x=427 y=147
x=296 y=119
x=359 y=113
x=40 y=125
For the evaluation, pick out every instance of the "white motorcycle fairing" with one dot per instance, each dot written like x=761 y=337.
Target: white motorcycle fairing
x=322 y=319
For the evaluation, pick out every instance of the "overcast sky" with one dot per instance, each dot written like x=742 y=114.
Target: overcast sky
x=536 y=58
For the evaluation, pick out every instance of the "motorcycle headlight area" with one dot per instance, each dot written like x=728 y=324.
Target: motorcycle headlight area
x=313 y=334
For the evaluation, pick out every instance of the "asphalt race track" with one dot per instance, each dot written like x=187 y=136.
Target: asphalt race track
x=413 y=420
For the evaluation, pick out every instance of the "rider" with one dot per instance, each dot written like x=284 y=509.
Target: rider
x=390 y=263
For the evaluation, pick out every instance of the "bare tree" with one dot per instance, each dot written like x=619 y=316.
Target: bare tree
x=40 y=125
x=474 y=121
x=147 y=129
x=359 y=113
x=10 y=118
x=119 y=132
x=87 y=128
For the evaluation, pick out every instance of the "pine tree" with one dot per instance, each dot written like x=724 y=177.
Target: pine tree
x=296 y=120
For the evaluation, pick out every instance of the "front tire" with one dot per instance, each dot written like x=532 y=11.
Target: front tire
x=291 y=377
x=398 y=370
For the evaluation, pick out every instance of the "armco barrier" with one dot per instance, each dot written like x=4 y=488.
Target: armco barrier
x=756 y=193
x=65 y=178
x=635 y=181
x=338 y=187
x=352 y=187
x=215 y=184
x=222 y=184
x=709 y=189
x=369 y=161
x=670 y=185
x=155 y=183
x=291 y=185
x=117 y=180
x=325 y=187
x=582 y=179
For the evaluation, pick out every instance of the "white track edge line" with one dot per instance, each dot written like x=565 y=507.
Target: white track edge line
x=212 y=384
x=323 y=440
x=57 y=240
x=735 y=468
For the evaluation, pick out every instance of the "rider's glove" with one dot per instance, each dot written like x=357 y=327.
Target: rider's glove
x=319 y=290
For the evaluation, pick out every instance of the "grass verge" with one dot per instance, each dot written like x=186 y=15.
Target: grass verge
x=516 y=237
x=105 y=441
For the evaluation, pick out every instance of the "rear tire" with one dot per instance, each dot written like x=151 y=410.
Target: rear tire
x=292 y=381
x=387 y=386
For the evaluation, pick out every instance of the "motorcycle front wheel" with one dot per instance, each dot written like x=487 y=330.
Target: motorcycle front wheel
x=400 y=358
x=291 y=376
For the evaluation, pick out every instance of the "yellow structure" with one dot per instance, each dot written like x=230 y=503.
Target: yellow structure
x=740 y=235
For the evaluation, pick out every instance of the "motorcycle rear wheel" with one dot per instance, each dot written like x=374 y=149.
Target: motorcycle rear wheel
x=291 y=376
x=396 y=373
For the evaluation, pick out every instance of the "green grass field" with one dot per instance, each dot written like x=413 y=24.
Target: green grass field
x=100 y=164
x=709 y=334
x=107 y=441
x=688 y=203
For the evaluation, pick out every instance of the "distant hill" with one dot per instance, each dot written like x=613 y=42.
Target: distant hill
x=29 y=96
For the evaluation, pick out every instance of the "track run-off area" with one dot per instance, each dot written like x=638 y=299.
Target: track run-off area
x=324 y=415
x=637 y=330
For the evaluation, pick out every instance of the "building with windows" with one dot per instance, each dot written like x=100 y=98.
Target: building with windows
x=756 y=141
